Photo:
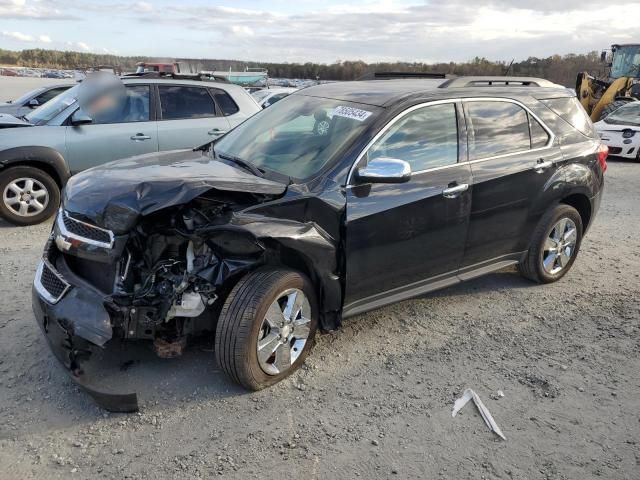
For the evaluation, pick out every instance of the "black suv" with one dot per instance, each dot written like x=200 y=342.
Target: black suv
x=339 y=199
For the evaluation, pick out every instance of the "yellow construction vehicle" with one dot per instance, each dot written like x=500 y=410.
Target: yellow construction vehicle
x=602 y=96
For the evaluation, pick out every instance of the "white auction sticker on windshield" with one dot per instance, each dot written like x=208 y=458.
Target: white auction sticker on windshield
x=350 y=112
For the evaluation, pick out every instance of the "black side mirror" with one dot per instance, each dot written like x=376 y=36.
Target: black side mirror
x=79 y=117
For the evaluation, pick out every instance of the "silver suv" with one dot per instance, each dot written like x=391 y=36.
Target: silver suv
x=39 y=152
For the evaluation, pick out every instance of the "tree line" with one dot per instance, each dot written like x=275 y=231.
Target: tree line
x=561 y=69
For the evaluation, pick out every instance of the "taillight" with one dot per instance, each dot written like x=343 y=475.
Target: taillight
x=603 y=153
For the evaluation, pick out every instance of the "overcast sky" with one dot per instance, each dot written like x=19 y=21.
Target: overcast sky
x=320 y=30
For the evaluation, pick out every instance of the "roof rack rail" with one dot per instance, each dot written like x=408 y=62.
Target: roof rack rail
x=498 y=82
x=395 y=75
x=178 y=76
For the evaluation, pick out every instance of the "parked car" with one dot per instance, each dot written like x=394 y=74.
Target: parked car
x=268 y=96
x=339 y=199
x=32 y=100
x=39 y=153
x=620 y=131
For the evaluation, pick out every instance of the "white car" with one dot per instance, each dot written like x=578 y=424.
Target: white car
x=269 y=96
x=620 y=131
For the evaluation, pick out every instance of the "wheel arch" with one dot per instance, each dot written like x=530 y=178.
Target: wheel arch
x=45 y=158
x=582 y=204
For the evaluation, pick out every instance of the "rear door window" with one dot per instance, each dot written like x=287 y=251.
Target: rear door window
x=225 y=102
x=178 y=102
x=425 y=138
x=497 y=128
x=570 y=110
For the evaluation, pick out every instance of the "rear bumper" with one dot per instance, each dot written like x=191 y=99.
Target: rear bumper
x=78 y=330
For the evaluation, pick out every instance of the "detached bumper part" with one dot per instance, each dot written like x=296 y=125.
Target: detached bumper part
x=78 y=330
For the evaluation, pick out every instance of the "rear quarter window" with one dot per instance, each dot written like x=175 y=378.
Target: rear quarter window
x=225 y=102
x=570 y=110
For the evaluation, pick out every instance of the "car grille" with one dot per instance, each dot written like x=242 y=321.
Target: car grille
x=615 y=150
x=84 y=231
x=49 y=283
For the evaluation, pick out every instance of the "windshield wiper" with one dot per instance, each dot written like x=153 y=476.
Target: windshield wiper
x=243 y=163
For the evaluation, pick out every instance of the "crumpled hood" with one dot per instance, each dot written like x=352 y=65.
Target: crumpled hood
x=7 y=121
x=115 y=195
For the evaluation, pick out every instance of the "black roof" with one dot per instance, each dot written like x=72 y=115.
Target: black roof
x=384 y=93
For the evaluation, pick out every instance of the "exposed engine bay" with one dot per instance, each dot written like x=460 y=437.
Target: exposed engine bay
x=172 y=271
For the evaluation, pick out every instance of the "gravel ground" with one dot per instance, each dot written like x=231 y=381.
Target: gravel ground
x=374 y=400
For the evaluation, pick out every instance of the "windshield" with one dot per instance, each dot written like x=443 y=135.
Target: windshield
x=626 y=62
x=628 y=114
x=53 y=107
x=297 y=136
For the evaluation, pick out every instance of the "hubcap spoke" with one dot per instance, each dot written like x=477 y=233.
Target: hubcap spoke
x=274 y=315
x=24 y=208
x=558 y=231
x=571 y=236
x=38 y=194
x=302 y=332
x=267 y=346
x=37 y=206
x=550 y=244
x=283 y=357
x=15 y=189
x=12 y=200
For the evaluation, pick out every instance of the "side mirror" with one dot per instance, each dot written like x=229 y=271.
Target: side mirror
x=33 y=103
x=384 y=170
x=79 y=117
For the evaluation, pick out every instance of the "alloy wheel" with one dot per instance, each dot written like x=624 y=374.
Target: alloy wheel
x=284 y=332
x=559 y=246
x=26 y=197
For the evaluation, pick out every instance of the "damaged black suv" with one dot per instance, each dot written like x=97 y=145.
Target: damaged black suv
x=339 y=199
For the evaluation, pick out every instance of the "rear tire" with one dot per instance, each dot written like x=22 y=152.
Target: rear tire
x=554 y=245
x=256 y=345
x=28 y=195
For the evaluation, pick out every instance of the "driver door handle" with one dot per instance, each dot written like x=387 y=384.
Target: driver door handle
x=455 y=191
x=216 y=131
x=140 y=137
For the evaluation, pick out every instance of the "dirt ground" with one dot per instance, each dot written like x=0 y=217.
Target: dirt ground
x=374 y=400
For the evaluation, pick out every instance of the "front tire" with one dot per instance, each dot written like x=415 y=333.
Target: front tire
x=28 y=195
x=266 y=327
x=554 y=245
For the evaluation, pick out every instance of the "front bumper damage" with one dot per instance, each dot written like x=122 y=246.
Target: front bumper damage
x=78 y=329
x=78 y=355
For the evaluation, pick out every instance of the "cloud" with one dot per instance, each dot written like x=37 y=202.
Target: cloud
x=33 y=10
x=21 y=37
x=370 y=30
x=78 y=46
x=44 y=38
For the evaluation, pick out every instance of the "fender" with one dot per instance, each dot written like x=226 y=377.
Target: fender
x=37 y=154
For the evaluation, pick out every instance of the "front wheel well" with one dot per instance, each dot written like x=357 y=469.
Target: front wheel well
x=582 y=204
x=45 y=167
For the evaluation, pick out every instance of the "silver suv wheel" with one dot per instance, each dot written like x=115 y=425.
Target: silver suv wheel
x=284 y=332
x=26 y=197
x=559 y=246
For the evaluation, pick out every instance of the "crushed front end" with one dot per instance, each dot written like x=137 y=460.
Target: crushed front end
x=95 y=290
